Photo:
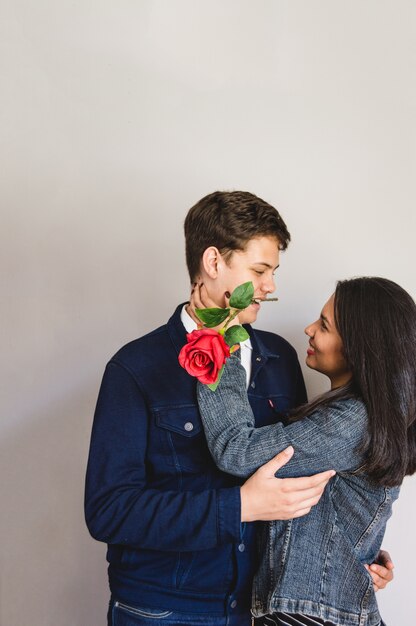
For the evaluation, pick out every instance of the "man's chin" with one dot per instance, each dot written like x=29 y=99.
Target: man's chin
x=250 y=314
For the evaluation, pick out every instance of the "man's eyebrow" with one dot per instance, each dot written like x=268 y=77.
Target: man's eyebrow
x=266 y=265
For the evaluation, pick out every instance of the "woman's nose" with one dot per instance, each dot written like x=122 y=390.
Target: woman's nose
x=309 y=330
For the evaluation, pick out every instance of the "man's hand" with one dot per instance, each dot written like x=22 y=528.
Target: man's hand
x=381 y=570
x=265 y=497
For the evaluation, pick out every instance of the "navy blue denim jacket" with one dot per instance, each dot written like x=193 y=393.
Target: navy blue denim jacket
x=170 y=518
x=312 y=564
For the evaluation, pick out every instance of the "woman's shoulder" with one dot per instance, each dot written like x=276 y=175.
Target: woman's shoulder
x=351 y=407
x=352 y=403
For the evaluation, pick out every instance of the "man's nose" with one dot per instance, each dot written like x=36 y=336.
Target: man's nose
x=269 y=285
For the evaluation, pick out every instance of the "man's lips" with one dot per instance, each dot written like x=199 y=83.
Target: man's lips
x=260 y=300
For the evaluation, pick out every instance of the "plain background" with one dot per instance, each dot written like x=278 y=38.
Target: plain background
x=116 y=117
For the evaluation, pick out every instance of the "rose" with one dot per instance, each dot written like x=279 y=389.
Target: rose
x=207 y=349
x=204 y=355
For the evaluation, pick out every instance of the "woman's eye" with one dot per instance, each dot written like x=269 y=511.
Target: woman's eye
x=259 y=272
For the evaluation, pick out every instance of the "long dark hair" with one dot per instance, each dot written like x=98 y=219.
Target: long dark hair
x=376 y=320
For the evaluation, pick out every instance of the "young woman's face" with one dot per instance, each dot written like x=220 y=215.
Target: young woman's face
x=325 y=353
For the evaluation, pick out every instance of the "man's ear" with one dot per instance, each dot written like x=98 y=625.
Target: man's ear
x=210 y=261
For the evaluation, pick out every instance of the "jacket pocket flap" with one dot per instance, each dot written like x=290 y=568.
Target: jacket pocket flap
x=184 y=420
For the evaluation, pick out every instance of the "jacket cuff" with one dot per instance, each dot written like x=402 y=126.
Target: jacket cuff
x=229 y=515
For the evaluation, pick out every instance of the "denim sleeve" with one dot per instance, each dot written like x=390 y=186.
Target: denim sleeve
x=120 y=505
x=327 y=439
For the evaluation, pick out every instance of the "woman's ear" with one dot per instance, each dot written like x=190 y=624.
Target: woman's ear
x=210 y=260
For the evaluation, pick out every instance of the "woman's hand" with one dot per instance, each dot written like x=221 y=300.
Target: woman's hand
x=200 y=299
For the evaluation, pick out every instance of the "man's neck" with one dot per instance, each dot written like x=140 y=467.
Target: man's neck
x=187 y=320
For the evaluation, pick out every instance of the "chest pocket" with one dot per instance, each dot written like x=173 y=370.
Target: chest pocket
x=182 y=437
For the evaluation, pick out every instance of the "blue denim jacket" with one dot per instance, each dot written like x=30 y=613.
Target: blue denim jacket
x=312 y=564
x=170 y=518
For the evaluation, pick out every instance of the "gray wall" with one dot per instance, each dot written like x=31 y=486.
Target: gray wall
x=115 y=118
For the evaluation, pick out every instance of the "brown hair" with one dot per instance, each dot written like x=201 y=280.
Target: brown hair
x=228 y=220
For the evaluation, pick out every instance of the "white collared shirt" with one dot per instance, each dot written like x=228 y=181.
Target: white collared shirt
x=245 y=346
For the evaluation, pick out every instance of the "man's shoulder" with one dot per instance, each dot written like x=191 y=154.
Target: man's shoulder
x=156 y=346
x=141 y=345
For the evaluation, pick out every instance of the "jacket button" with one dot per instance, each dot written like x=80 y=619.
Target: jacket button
x=188 y=426
x=258 y=359
x=241 y=547
x=233 y=604
x=253 y=384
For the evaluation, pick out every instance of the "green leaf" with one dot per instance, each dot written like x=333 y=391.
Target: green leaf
x=235 y=334
x=213 y=386
x=212 y=317
x=242 y=296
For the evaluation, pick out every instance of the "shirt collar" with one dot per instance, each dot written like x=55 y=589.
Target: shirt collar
x=190 y=325
x=187 y=320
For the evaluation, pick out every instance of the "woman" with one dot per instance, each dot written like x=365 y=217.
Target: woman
x=311 y=569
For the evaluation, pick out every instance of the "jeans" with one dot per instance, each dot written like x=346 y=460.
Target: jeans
x=121 y=614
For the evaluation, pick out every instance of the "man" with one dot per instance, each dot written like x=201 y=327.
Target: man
x=179 y=548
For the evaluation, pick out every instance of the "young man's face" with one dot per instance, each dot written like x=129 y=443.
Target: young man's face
x=258 y=263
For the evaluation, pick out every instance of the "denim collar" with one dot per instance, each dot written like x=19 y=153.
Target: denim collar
x=261 y=353
x=259 y=348
x=176 y=329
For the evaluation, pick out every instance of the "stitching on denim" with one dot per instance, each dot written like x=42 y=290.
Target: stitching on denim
x=127 y=369
x=141 y=612
x=186 y=571
x=175 y=460
x=375 y=519
x=285 y=549
x=329 y=546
